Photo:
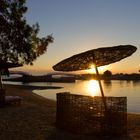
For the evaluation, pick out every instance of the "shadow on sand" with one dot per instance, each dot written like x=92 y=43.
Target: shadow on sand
x=57 y=134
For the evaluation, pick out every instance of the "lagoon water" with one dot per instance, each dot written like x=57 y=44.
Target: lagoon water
x=130 y=89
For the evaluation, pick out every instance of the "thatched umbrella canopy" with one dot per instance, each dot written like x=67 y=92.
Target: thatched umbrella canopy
x=4 y=66
x=98 y=57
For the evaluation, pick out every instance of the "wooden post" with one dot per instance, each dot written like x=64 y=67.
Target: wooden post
x=101 y=89
x=0 y=81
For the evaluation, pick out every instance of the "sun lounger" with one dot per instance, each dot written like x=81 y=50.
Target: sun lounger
x=14 y=100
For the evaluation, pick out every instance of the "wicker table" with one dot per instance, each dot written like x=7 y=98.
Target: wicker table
x=86 y=115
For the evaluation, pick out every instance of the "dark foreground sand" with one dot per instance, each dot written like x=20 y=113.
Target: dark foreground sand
x=34 y=119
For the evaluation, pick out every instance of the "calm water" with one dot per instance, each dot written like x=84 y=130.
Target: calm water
x=130 y=89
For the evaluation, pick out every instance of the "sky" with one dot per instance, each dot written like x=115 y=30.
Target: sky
x=81 y=25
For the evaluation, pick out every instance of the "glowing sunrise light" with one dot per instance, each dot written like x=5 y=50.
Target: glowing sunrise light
x=92 y=66
x=101 y=69
x=92 y=69
x=92 y=87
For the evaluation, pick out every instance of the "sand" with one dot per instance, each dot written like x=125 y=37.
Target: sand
x=34 y=119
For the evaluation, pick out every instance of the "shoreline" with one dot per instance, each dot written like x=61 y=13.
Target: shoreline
x=30 y=87
x=34 y=119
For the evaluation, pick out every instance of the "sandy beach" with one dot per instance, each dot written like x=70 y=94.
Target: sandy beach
x=34 y=119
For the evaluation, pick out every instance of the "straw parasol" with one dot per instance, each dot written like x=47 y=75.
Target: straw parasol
x=4 y=66
x=98 y=57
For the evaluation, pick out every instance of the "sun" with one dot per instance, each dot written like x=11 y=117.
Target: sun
x=92 y=69
x=101 y=69
x=92 y=66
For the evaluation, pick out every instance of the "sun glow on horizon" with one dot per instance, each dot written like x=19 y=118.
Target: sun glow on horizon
x=92 y=69
x=101 y=69
x=92 y=66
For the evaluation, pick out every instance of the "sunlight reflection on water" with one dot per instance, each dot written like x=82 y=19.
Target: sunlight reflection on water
x=116 y=88
x=92 y=87
x=129 y=89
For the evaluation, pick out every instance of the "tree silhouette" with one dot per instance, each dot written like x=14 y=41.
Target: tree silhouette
x=107 y=74
x=18 y=40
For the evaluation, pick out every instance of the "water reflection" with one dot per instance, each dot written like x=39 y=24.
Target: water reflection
x=107 y=84
x=129 y=89
x=136 y=83
x=92 y=87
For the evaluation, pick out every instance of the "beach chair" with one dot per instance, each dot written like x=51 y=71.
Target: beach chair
x=8 y=100
x=13 y=100
x=2 y=97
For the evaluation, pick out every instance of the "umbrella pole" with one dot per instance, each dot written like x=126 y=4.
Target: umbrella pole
x=0 y=81
x=101 y=89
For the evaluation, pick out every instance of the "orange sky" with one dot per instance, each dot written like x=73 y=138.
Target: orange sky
x=81 y=25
